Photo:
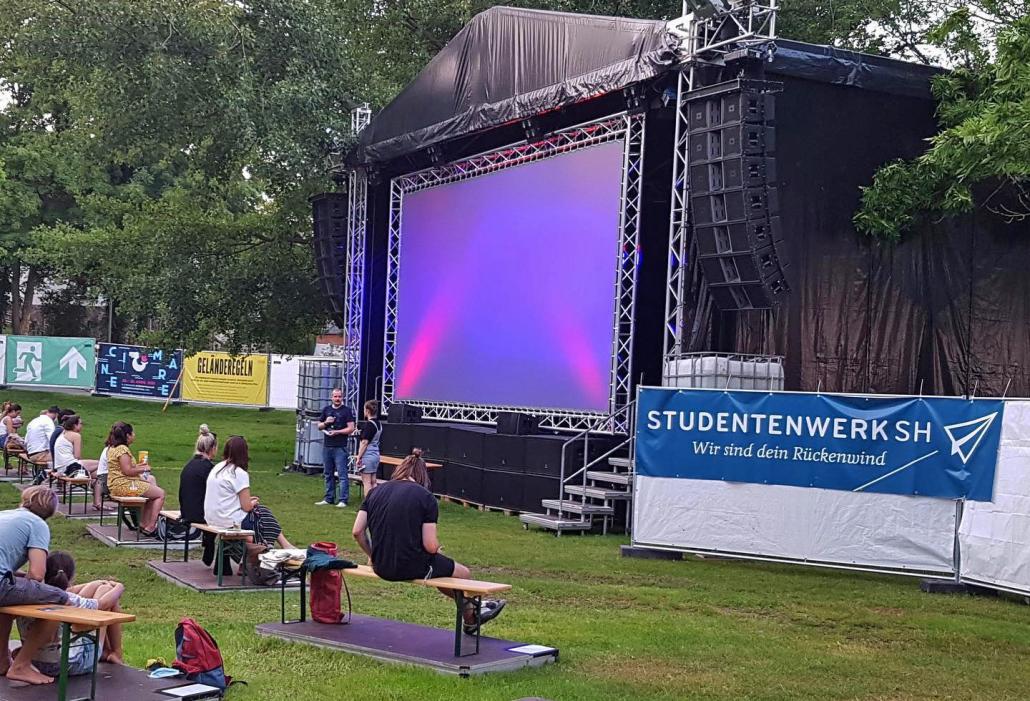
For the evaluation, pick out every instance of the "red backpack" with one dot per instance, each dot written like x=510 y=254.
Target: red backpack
x=197 y=655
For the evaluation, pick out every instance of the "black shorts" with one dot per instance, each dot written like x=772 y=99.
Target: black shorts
x=434 y=566
x=73 y=467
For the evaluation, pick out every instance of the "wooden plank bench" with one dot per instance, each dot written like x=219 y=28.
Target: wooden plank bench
x=87 y=625
x=223 y=535
x=175 y=516
x=130 y=503
x=16 y=453
x=37 y=464
x=463 y=589
x=68 y=486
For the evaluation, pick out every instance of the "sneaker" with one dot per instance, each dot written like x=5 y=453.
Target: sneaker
x=341 y=505
x=323 y=503
x=489 y=611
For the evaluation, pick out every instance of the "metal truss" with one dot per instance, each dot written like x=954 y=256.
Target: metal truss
x=747 y=26
x=626 y=127
x=679 y=234
x=360 y=116
x=354 y=272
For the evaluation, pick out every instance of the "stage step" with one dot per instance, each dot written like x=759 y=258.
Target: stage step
x=597 y=492
x=554 y=523
x=610 y=477
x=577 y=507
x=624 y=463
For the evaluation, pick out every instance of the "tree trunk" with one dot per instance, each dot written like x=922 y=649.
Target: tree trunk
x=21 y=301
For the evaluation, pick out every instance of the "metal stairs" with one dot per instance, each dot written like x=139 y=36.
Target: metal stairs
x=594 y=493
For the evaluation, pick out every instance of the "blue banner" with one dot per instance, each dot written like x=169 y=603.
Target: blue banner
x=929 y=446
x=137 y=371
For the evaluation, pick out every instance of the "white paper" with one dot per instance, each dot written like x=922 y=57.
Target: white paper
x=191 y=690
x=531 y=649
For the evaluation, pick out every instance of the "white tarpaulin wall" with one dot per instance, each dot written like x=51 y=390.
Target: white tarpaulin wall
x=282 y=385
x=994 y=537
x=867 y=531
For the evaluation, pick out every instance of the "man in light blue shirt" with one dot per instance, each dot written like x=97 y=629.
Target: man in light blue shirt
x=25 y=538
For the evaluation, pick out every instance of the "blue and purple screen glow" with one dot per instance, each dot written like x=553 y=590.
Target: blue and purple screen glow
x=507 y=285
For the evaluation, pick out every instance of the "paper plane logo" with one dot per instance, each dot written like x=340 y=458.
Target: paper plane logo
x=966 y=436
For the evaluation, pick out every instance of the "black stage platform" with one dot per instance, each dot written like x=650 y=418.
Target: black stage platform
x=199 y=577
x=484 y=467
x=108 y=535
x=114 y=683
x=394 y=641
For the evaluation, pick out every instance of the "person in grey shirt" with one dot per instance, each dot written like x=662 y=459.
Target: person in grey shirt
x=25 y=538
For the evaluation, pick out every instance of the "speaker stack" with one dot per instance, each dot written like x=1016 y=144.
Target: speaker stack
x=733 y=195
x=329 y=211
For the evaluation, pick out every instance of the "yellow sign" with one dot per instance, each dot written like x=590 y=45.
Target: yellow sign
x=225 y=379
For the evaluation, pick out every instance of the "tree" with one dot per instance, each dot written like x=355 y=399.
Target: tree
x=981 y=157
x=165 y=152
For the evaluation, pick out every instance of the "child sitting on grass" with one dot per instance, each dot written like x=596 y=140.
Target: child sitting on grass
x=100 y=595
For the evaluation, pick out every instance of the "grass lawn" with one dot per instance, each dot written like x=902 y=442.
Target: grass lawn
x=626 y=628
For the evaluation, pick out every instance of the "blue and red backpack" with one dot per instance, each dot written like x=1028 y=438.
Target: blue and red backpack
x=197 y=655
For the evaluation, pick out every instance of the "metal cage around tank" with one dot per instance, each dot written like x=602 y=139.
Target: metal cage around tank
x=316 y=378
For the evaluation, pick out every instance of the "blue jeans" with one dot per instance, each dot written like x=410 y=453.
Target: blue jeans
x=334 y=470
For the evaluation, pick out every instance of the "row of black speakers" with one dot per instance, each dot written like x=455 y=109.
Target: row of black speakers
x=507 y=490
x=508 y=422
x=733 y=197
x=329 y=211
x=482 y=448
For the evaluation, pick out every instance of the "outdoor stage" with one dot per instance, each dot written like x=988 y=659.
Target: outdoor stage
x=408 y=643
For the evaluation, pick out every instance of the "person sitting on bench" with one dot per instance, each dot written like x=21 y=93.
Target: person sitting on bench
x=126 y=479
x=228 y=504
x=102 y=595
x=193 y=486
x=25 y=538
x=402 y=515
x=9 y=438
x=37 y=434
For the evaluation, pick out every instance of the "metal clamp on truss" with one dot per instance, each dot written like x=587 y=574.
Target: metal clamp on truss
x=722 y=31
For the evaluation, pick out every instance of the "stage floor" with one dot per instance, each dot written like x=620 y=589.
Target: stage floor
x=199 y=577
x=408 y=643
x=114 y=683
x=108 y=535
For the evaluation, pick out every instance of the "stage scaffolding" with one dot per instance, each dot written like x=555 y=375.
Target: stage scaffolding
x=626 y=127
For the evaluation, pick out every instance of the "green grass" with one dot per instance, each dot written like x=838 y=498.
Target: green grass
x=626 y=628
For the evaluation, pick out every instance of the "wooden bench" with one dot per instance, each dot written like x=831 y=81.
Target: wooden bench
x=130 y=503
x=16 y=453
x=38 y=464
x=463 y=590
x=223 y=535
x=87 y=625
x=176 y=517
x=69 y=484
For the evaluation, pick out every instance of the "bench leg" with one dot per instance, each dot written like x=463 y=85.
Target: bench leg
x=102 y=505
x=459 y=619
x=62 y=678
x=119 y=516
x=164 y=552
x=186 y=542
x=220 y=554
x=97 y=651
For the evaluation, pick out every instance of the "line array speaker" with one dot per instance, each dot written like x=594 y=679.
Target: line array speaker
x=733 y=195
x=401 y=413
x=329 y=211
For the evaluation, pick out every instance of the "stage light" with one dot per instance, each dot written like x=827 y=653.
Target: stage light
x=531 y=128
x=435 y=154
x=707 y=9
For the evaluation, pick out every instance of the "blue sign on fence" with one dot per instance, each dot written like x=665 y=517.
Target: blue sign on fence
x=930 y=446
x=141 y=372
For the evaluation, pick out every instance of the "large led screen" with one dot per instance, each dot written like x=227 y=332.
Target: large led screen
x=507 y=285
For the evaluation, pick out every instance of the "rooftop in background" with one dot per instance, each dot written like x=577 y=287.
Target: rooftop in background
x=508 y=64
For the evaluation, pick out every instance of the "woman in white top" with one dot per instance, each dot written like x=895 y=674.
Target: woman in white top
x=100 y=484
x=68 y=452
x=9 y=437
x=228 y=503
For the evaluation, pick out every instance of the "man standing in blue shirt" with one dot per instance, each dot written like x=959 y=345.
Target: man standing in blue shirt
x=337 y=423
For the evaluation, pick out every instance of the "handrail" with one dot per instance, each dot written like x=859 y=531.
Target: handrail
x=587 y=463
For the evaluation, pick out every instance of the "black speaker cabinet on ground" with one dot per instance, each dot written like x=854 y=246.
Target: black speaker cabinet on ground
x=432 y=438
x=511 y=423
x=401 y=413
x=733 y=197
x=502 y=489
x=464 y=482
x=465 y=445
x=504 y=452
x=396 y=439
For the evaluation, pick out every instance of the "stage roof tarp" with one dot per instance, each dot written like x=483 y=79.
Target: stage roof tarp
x=508 y=64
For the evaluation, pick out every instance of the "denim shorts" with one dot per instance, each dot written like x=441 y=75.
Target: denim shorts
x=81 y=661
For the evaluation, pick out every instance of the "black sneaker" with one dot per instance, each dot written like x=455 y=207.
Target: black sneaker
x=129 y=519
x=489 y=611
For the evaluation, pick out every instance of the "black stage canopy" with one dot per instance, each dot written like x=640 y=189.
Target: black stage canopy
x=508 y=64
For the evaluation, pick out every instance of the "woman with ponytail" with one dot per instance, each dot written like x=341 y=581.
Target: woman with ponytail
x=100 y=595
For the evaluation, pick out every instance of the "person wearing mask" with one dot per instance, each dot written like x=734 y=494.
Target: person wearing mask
x=402 y=515
x=193 y=485
x=25 y=539
x=37 y=433
x=127 y=479
x=337 y=423
x=228 y=504
x=368 y=449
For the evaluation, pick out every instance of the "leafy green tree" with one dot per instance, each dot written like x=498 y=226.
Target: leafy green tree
x=981 y=158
